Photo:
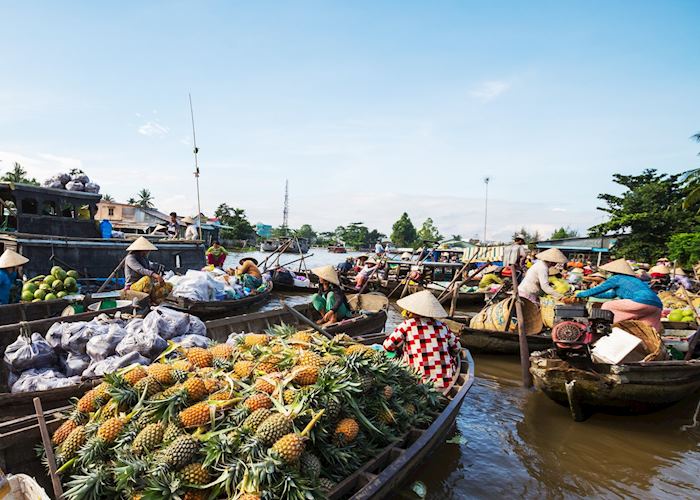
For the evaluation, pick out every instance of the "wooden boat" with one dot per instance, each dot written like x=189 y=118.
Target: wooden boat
x=495 y=342
x=630 y=388
x=339 y=248
x=281 y=286
x=370 y=317
x=376 y=479
x=218 y=308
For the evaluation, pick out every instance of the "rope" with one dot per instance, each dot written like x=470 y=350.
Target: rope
x=695 y=419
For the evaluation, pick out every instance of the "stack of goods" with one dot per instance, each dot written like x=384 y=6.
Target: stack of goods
x=156 y=291
x=75 y=180
x=56 y=285
x=71 y=352
x=281 y=415
x=206 y=286
x=676 y=308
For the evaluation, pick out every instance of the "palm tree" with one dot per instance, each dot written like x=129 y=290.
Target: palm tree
x=131 y=201
x=18 y=175
x=145 y=199
x=692 y=179
x=108 y=198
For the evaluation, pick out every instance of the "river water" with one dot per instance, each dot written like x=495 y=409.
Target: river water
x=513 y=442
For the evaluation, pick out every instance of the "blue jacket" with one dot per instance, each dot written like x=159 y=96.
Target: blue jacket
x=621 y=286
x=7 y=280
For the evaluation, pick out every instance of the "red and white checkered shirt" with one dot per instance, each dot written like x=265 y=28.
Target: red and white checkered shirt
x=426 y=346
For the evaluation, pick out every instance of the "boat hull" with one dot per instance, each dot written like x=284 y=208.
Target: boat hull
x=217 y=308
x=494 y=342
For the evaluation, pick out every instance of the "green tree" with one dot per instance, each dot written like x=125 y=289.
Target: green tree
x=223 y=211
x=685 y=248
x=108 y=198
x=530 y=237
x=306 y=231
x=238 y=226
x=325 y=238
x=564 y=232
x=692 y=181
x=403 y=232
x=131 y=201
x=144 y=199
x=18 y=175
x=373 y=236
x=646 y=215
x=428 y=231
x=354 y=235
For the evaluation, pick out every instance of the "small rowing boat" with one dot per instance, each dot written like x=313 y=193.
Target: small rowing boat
x=495 y=342
x=211 y=309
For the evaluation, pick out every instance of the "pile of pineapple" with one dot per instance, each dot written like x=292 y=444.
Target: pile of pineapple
x=280 y=415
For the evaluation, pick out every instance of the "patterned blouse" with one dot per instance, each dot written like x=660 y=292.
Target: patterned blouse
x=427 y=346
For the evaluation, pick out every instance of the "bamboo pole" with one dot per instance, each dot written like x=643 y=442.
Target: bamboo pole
x=458 y=274
x=524 y=351
x=48 y=447
x=306 y=320
x=116 y=270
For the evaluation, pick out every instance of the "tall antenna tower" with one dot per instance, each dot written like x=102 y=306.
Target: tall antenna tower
x=285 y=212
x=195 y=150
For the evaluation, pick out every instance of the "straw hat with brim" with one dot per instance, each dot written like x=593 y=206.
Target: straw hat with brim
x=680 y=272
x=10 y=258
x=490 y=269
x=660 y=270
x=188 y=220
x=423 y=304
x=252 y=259
x=663 y=259
x=406 y=256
x=141 y=244
x=552 y=255
x=160 y=227
x=619 y=266
x=596 y=275
x=327 y=273
x=363 y=256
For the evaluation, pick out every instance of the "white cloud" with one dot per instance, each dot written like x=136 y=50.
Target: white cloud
x=153 y=129
x=558 y=209
x=40 y=165
x=489 y=90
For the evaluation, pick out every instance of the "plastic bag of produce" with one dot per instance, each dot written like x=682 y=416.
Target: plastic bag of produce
x=192 y=340
x=147 y=344
x=54 y=335
x=198 y=286
x=80 y=177
x=42 y=379
x=91 y=187
x=26 y=353
x=72 y=364
x=233 y=339
x=197 y=327
x=134 y=326
x=63 y=178
x=113 y=363
x=100 y=347
x=166 y=323
x=76 y=335
x=53 y=183
x=75 y=186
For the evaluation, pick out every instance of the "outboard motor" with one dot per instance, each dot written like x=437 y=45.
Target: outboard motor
x=575 y=329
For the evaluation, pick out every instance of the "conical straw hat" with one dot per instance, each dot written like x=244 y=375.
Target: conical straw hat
x=680 y=272
x=188 y=220
x=10 y=258
x=423 y=304
x=619 y=266
x=327 y=273
x=552 y=255
x=660 y=270
x=141 y=244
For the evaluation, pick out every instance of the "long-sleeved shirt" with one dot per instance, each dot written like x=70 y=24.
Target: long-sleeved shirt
x=536 y=281
x=621 y=286
x=7 y=280
x=427 y=346
x=191 y=233
x=514 y=255
x=249 y=267
x=136 y=267
x=490 y=279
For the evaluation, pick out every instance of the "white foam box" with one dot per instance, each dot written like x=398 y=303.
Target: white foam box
x=618 y=347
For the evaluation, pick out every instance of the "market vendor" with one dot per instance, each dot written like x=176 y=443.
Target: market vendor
x=360 y=262
x=216 y=254
x=11 y=264
x=346 y=266
x=635 y=299
x=428 y=344
x=368 y=270
x=536 y=280
x=248 y=272
x=137 y=265
x=330 y=301
x=190 y=228
x=489 y=276
x=173 y=230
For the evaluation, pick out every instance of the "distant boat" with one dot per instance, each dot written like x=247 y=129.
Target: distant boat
x=337 y=248
x=269 y=245
x=298 y=245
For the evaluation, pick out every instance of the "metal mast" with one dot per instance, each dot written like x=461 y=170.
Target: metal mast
x=285 y=212
x=195 y=150
x=486 y=205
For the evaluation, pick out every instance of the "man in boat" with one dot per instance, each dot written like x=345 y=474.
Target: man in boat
x=365 y=273
x=137 y=266
x=516 y=254
x=428 y=344
x=346 y=266
x=216 y=254
x=635 y=299
x=330 y=301
x=11 y=264
x=489 y=277
x=190 y=229
x=173 y=230
x=248 y=272
x=379 y=248
x=536 y=280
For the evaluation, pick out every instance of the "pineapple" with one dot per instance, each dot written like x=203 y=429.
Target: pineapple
x=306 y=375
x=289 y=395
x=388 y=392
x=243 y=369
x=212 y=385
x=387 y=416
x=256 y=418
x=92 y=400
x=195 y=494
x=410 y=409
x=148 y=384
x=253 y=339
x=303 y=336
x=289 y=447
x=195 y=474
x=222 y=395
x=249 y=496
x=221 y=351
x=172 y=431
x=110 y=429
x=329 y=359
x=269 y=365
x=148 y=439
x=273 y=428
x=310 y=465
x=183 y=365
x=196 y=389
x=309 y=358
x=64 y=431
x=162 y=373
x=134 y=375
x=75 y=440
x=180 y=452
x=357 y=348
x=265 y=384
x=346 y=431
x=366 y=382
x=200 y=357
x=257 y=401
x=326 y=484
x=196 y=415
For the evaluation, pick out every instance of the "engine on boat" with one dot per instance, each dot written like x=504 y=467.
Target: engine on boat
x=576 y=329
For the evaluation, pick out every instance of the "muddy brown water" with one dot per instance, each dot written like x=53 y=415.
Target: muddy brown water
x=512 y=442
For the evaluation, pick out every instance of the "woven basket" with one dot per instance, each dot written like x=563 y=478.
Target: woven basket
x=653 y=343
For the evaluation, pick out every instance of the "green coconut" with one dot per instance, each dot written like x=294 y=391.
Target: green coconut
x=49 y=280
x=60 y=295
x=30 y=287
x=70 y=283
x=55 y=269
x=40 y=294
x=57 y=286
x=73 y=274
x=60 y=274
x=50 y=296
x=27 y=296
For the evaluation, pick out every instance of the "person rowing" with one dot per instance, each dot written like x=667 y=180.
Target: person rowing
x=330 y=301
x=428 y=344
x=536 y=280
x=635 y=299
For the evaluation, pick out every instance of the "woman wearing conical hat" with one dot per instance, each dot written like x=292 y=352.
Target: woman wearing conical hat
x=137 y=265
x=10 y=264
x=536 y=280
x=330 y=301
x=635 y=299
x=428 y=344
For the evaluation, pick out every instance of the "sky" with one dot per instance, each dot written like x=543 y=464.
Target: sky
x=369 y=108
